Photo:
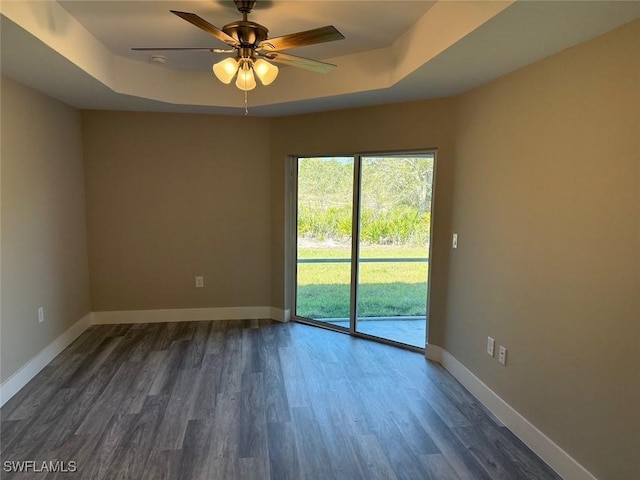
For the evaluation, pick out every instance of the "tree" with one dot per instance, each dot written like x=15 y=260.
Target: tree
x=390 y=181
x=395 y=197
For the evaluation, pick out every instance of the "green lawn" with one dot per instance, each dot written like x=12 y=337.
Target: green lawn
x=386 y=289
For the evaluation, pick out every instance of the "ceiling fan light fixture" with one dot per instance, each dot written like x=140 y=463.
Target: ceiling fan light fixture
x=226 y=69
x=265 y=71
x=245 y=81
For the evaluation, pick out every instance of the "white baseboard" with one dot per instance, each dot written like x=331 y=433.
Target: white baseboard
x=19 y=379
x=280 y=315
x=564 y=465
x=434 y=353
x=188 y=315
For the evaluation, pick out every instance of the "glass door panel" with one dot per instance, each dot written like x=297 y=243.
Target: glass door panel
x=324 y=226
x=363 y=227
x=393 y=247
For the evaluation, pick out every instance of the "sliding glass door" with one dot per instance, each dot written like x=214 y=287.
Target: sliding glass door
x=393 y=247
x=363 y=226
x=324 y=239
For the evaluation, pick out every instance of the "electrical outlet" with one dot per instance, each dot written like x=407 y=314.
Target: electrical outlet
x=454 y=241
x=490 y=344
x=40 y=314
x=199 y=282
x=502 y=355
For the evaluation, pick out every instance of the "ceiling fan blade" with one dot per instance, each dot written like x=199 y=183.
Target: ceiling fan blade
x=300 y=62
x=202 y=24
x=301 y=39
x=193 y=49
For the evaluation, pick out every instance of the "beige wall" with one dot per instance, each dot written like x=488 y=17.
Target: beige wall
x=44 y=254
x=546 y=199
x=173 y=196
x=417 y=125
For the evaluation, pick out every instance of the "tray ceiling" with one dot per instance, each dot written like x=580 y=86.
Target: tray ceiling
x=79 y=51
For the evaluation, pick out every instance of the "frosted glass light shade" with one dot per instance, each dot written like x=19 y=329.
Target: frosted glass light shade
x=226 y=69
x=246 y=80
x=265 y=71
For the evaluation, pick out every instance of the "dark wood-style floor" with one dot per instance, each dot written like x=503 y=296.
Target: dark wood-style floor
x=247 y=399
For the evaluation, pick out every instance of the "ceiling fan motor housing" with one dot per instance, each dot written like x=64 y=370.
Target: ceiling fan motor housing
x=247 y=34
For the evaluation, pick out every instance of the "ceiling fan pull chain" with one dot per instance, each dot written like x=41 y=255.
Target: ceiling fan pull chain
x=246 y=103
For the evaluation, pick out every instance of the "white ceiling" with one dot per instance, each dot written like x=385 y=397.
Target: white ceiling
x=79 y=51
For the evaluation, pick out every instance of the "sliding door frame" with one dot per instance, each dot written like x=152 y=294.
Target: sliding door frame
x=291 y=242
x=355 y=243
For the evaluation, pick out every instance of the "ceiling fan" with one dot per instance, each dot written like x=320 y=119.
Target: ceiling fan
x=254 y=49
